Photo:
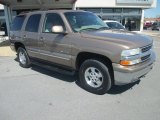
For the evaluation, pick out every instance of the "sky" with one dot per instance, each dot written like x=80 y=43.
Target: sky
x=154 y=12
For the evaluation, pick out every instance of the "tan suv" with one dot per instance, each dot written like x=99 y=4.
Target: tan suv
x=81 y=41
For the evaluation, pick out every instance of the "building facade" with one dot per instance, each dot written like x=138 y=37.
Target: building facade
x=119 y=10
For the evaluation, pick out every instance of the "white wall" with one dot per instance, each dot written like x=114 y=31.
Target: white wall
x=111 y=3
x=1 y=7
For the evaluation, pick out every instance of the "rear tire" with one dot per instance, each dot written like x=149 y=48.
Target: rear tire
x=95 y=77
x=23 y=58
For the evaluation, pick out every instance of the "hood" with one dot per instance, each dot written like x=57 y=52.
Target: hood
x=127 y=39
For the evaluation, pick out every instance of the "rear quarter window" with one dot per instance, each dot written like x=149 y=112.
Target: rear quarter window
x=18 y=23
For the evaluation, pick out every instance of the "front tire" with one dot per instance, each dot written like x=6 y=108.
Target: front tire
x=23 y=58
x=95 y=77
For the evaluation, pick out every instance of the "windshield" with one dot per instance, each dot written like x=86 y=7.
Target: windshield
x=115 y=25
x=82 y=21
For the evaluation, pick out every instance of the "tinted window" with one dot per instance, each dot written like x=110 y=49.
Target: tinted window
x=33 y=23
x=17 y=23
x=52 y=19
x=80 y=21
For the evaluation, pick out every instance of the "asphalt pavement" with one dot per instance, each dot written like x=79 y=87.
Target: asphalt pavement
x=39 y=94
x=151 y=33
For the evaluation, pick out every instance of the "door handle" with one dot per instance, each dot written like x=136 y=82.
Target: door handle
x=41 y=38
x=12 y=37
x=24 y=36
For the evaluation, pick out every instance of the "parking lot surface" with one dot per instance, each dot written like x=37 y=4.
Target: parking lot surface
x=39 y=94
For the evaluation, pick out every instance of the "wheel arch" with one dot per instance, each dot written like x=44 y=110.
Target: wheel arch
x=81 y=57
x=18 y=44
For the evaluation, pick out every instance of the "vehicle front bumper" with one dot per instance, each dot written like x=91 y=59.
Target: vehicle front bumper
x=128 y=74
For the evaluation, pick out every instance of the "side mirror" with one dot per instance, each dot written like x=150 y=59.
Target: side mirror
x=58 y=29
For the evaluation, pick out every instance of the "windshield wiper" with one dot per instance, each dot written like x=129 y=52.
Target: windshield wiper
x=103 y=28
x=88 y=29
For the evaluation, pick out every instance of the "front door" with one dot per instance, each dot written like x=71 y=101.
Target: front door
x=54 y=47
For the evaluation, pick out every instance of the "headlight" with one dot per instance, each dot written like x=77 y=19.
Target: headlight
x=129 y=57
x=126 y=53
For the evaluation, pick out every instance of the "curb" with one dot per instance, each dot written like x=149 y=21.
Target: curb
x=6 y=51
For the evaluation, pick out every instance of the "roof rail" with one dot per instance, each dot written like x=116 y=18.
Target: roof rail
x=23 y=12
x=43 y=9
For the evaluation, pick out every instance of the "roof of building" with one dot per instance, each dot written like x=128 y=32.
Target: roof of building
x=50 y=11
x=37 y=4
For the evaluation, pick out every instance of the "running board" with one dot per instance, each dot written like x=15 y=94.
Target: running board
x=54 y=68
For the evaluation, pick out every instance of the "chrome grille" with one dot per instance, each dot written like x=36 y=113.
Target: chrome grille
x=146 y=48
x=146 y=53
x=145 y=57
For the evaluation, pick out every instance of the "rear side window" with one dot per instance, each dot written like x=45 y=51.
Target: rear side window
x=17 y=23
x=33 y=23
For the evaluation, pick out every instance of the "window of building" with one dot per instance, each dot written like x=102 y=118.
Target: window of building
x=111 y=10
x=94 y=10
x=2 y=24
x=112 y=17
x=52 y=19
x=132 y=23
x=132 y=11
x=17 y=23
x=117 y=10
x=107 y=10
x=33 y=23
x=2 y=13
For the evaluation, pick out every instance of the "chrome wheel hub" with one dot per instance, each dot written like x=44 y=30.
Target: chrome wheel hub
x=22 y=57
x=93 y=77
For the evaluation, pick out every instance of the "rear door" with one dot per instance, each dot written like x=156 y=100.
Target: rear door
x=15 y=33
x=30 y=34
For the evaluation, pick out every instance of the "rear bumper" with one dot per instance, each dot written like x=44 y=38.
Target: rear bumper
x=128 y=74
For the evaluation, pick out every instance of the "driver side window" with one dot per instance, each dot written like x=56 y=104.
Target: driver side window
x=52 y=19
